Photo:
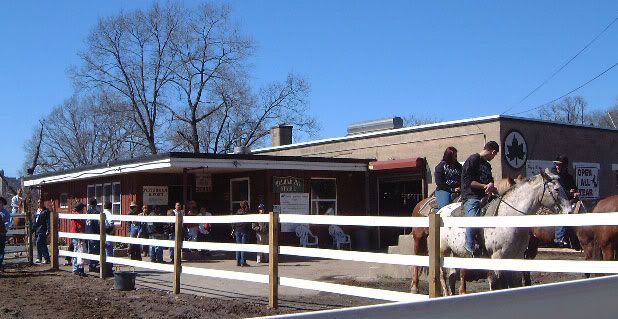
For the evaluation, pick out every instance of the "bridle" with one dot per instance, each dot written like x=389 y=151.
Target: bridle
x=545 y=182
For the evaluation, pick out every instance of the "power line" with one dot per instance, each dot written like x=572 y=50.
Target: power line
x=573 y=90
x=563 y=65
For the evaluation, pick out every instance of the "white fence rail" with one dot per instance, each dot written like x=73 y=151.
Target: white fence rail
x=411 y=260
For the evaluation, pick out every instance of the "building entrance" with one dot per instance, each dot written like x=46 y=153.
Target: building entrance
x=398 y=196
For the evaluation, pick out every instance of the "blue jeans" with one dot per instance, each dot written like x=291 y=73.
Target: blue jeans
x=76 y=268
x=241 y=238
x=443 y=198
x=41 y=246
x=93 y=248
x=135 y=250
x=472 y=208
x=156 y=252
x=172 y=237
x=560 y=233
x=2 y=246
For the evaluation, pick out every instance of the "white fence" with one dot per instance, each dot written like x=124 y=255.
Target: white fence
x=411 y=260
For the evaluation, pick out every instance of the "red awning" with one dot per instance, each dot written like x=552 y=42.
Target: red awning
x=414 y=163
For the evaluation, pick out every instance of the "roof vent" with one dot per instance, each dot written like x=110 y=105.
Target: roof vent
x=375 y=125
x=242 y=150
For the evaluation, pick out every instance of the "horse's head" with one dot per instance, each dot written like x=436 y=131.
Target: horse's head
x=553 y=196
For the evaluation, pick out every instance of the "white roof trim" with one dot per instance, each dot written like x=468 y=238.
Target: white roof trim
x=416 y=128
x=179 y=163
x=98 y=172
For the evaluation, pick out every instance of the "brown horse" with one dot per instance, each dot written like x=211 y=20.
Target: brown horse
x=606 y=236
x=422 y=209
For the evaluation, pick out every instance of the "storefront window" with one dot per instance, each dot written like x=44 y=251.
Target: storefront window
x=323 y=196
x=64 y=200
x=103 y=193
x=239 y=191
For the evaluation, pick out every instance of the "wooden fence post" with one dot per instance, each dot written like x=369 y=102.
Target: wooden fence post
x=178 y=252
x=273 y=260
x=102 y=242
x=53 y=225
x=433 y=243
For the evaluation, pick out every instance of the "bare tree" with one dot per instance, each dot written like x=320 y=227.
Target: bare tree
x=415 y=120
x=571 y=109
x=131 y=54
x=210 y=55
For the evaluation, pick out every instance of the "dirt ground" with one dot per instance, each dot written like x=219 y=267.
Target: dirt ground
x=37 y=292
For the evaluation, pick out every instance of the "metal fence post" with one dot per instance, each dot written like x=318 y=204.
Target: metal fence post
x=102 y=243
x=53 y=224
x=273 y=260
x=433 y=242
x=178 y=252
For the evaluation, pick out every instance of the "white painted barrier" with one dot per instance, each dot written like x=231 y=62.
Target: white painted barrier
x=581 y=299
x=449 y=262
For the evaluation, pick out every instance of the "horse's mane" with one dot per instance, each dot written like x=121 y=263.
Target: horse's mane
x=517 y=182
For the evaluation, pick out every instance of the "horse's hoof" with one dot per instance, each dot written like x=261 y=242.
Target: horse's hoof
x=414 y=290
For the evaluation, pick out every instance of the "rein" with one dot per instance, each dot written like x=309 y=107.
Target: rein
x=501 y=198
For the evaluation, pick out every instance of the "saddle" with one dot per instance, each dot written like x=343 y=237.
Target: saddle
x=489 y=207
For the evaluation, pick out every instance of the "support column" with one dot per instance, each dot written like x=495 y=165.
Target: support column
x=53 y=224
x=102 y=239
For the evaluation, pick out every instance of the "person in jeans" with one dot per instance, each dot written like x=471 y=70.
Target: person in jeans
x=135 y=250
x=92 y=227
x=448 y=177
x=261 y=234
x=78 y=226
x=241 y=232
x=40 y=229
x=155 y=231
x=567 y=182
x=171 y=228
x=5 y=223
x=477 y=182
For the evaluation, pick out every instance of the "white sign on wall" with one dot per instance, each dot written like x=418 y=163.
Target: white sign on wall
x=155 y=195
x=587 y=179
x=203 y=183
x=293 y=203
x=533 y=167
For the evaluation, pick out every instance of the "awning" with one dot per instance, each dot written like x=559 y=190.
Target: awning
x=404 y=163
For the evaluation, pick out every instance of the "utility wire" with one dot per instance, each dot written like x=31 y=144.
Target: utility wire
x=573 y=90
x=563 y=65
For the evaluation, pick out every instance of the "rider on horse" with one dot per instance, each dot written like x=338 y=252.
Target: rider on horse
x=477 y=182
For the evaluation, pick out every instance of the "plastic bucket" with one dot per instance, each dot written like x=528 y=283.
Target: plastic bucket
x=124 y=280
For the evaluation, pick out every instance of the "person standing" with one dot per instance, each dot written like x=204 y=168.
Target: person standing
x=261 y=234
x=171 y=230
x=109 y=228
x=92 y=227
x=448 y=177
x=240 y=231
x=17 y=202
x=5 y=223
x=78 y=226
x=155 y=231
x=143 y=230
x=567 y=182
x=40 y=229
x=477 y=182
x=135 y=250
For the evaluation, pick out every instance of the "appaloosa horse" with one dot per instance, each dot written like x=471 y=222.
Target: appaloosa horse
x=526 y=197
x=422 y=209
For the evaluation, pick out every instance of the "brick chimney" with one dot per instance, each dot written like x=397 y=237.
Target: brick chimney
x=281 y=135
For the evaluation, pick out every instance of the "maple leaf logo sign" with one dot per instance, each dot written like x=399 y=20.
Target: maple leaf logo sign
x=515 y=150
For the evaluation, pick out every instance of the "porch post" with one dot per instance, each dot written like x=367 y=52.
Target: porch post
x=273 y=260
x=433 y=242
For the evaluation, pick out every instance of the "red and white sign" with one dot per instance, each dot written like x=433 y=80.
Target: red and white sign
x=587 y=179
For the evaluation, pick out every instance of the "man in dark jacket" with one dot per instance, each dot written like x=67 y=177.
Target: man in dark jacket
x=566 y=180
x=40 y=229
x=477 y=182
x=92 y=227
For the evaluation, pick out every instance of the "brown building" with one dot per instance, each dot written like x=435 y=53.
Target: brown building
x=218 y=183
x=526 y=146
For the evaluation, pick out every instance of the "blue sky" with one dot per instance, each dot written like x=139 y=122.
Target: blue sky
x=364 y=59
